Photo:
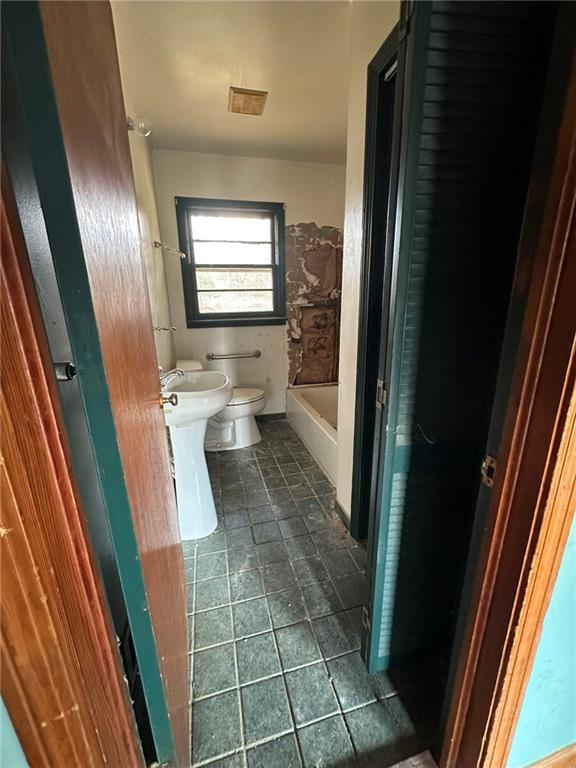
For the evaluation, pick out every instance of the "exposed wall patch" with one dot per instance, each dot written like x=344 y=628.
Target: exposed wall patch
x=313 y=288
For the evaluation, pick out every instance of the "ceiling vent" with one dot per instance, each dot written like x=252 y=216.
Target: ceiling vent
x=247 y=102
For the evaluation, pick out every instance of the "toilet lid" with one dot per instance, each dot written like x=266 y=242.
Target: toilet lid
x=245 y=395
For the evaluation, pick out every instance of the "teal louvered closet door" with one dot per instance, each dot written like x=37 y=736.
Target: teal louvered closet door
x=473 y=78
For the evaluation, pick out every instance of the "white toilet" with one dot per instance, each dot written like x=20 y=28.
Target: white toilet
x=234 y=426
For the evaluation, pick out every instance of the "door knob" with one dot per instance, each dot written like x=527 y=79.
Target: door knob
x=169 y=399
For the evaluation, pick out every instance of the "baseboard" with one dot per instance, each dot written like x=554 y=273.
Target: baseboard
x=342 y=514
x=564 y=758
x=271 y=416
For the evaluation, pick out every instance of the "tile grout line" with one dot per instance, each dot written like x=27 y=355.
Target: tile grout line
x=288 y=699
x=343 y=548
x=237 y=676
x=323 y=659
x=327 y=671
x=359 y=571
x=273 y=628
x=285 y=682
x=274 y=675
x=297 y=585
x=315 y=496
x=251 y=745
x=281 y=734
x=320 y=554
x=353 y=650
x=311 y=624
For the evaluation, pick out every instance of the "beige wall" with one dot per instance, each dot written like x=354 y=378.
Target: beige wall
x=370 y=24
x=312 y=192
x=153 y=257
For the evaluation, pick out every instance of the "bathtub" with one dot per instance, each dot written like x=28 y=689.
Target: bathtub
x=312 y=411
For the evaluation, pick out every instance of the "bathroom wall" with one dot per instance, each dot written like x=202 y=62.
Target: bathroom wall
x=370 y=25
x=153 y=257
x=547 y=720
x=312 y=192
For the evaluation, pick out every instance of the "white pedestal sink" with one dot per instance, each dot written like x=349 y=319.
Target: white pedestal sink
x=201 y=394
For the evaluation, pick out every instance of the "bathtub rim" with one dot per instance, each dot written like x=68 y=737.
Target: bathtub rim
x=330 y=431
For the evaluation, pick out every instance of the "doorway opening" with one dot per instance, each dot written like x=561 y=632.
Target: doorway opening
x=306 y=645
x=276 y=592
x=454 y=100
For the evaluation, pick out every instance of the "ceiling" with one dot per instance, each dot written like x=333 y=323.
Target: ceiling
x=179 y=59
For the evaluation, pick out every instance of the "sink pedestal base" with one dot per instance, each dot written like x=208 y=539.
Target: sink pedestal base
x=196 y=510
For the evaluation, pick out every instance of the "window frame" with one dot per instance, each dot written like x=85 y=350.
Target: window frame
x=185 y=206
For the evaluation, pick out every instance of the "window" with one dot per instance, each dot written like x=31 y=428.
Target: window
x=234 y=274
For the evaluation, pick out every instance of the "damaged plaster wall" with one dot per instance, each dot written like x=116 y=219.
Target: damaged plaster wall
x=313 y=289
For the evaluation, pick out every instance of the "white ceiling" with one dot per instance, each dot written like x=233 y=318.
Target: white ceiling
x=179 y=59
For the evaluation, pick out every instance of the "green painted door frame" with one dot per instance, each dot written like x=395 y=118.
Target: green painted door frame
x=24 y=38
x=412 y=55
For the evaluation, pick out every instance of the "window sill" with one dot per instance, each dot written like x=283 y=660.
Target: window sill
x=232 y=322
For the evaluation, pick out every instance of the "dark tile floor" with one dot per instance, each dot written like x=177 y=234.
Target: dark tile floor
x=275 y=598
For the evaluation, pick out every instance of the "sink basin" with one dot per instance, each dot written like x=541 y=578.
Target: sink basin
x=201 y=394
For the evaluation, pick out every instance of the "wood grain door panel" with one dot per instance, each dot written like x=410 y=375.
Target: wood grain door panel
x=61 y=674
x=69 y=91
x=85 y=74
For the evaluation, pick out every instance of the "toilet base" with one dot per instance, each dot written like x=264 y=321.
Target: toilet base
x=231 y=434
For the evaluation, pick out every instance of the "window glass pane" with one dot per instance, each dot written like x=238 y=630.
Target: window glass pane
x=232 y=253
x=242 y=279
x=222 y=227
x=235 y=301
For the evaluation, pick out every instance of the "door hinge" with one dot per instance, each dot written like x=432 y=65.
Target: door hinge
x=380 y=394
x=488 y=470
x=365 y=619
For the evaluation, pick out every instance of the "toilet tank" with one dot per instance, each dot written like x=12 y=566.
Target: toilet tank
x=188 y=365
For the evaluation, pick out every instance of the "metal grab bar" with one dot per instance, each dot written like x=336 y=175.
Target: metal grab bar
x=233 y=355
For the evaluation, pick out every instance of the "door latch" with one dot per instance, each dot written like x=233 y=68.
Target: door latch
x=488 y=470
x=380 y=394
x=64 y=371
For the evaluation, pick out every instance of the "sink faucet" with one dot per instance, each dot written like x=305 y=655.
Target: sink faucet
x=166 y=378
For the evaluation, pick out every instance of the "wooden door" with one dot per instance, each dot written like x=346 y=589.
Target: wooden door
x=521 y=534
x=65 y=58
x=61 y=677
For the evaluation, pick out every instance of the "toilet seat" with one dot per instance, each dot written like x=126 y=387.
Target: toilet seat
x=243 y=395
